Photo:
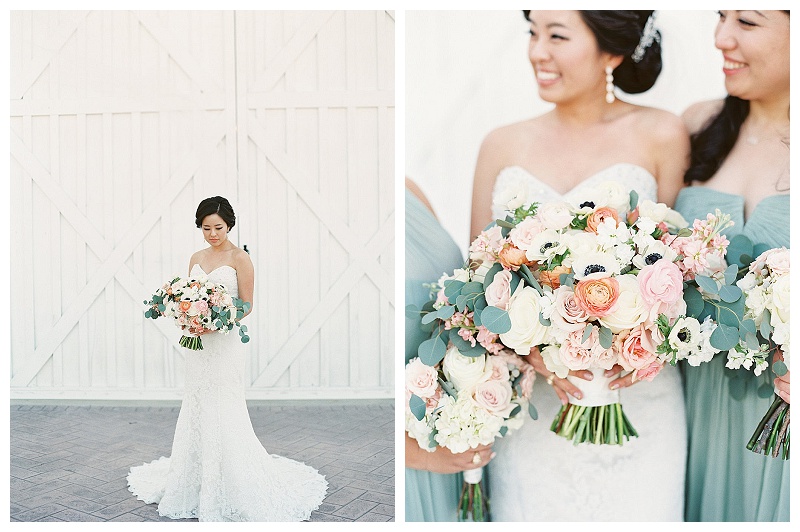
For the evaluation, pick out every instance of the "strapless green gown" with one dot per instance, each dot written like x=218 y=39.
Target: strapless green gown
x=725 y=481
x=430 y=252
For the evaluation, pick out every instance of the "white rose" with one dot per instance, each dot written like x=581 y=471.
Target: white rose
x=421 y=380
x=526 y=329
x=612 y=194
x=464 y=372
x=579 y=243
x=552 y=359
x=512 y=195
x=780 y=301
x=555 y=215
x=631 y=309
x=525 y=233
x=777 y=260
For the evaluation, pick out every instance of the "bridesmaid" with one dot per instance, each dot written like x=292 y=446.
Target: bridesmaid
x=740 y=164
x=433 y=480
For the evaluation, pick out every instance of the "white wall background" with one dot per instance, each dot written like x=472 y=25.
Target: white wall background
x=121 y=122
x=467 y=72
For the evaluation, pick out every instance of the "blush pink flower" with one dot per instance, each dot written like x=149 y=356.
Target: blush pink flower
x=661 y=282
x=567 y=314
x=421 y=380
x=576 y=354
x=524 y=233
x=649 y=373
x=498 y=293
x=634 y=348
x=487 y=340
x=494 y=396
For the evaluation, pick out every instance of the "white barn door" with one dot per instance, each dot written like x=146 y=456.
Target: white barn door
x=121 y=122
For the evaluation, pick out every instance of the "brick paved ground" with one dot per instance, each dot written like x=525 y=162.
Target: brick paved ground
x=69 y=463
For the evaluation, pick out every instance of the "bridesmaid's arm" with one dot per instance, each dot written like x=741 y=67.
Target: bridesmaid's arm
x=672 y=157
x=442 y=460
x=246 y=277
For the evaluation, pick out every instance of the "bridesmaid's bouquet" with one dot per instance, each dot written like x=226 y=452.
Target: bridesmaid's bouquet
x=462 y=402
x=197 y=304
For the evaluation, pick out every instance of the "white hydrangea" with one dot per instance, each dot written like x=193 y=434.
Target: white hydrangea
x=462 y=425
x=420 y=430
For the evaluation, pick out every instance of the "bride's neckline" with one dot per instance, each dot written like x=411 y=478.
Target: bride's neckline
x=601 y=172
x=215 y=269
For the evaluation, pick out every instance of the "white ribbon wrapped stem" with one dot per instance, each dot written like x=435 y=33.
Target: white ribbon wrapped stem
x=473 y=476
x=596 y=391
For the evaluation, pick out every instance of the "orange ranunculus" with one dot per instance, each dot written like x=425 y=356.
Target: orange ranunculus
x=185 y=306
x=597 y=296
x=552 y=277
x=511 y=257
x=195 y=285
x=594 y=220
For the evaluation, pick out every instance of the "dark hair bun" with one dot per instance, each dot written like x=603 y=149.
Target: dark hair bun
x=619 y=33
x=215 y=205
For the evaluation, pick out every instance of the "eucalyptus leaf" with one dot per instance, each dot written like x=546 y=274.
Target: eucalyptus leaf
x=431 y=351
x=606 y=337
x=246 y=306
x=765 y=390
x=461 y=302
x=239 y=314
x=724 y=337
x=749 y=326
x=447 y=387
x=780 y=368
x=476 y=316
x=417 y=407
x=480 y=303
x=528 y=275
x=730 y=273
x=730 y=293
x=634 y=200
x=708 y=284
x=694 y=301
x=505 y=224
x=544 y=321
x=751 y=341
x=738 y=246
x=452 y=288
x=503 y=430
x=465 y=347
x=566 y=279
x=532 y=411
x=432 y=439
x=737 y=388
x=760 y=248
x=487 y=280
x=496 y=320
x=766 y=329
x=245 y=339
x=730 y=313
x=515 y=279
x=472 y=287
x=243 y=328
x=587 y=332
x=412 y=312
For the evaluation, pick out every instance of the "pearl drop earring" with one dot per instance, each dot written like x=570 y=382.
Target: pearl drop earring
x=609 y=85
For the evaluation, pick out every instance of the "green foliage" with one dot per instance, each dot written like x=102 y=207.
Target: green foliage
x=431 y=351
x=634 y=200
x=532 y=411
x=417 y=407
x=496 y=320
x=740 y=250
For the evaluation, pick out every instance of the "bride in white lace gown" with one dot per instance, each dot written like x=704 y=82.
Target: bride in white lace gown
x=588 y=138
x=218 y=469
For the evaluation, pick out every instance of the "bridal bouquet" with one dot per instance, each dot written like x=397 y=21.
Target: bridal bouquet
x=463 y=402
x=197 y=304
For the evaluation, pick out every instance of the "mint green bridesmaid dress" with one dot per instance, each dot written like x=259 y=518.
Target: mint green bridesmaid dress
x=430 y=252
x=725 y=481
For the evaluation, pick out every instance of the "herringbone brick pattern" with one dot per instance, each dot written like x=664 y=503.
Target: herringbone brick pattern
x=69 y=463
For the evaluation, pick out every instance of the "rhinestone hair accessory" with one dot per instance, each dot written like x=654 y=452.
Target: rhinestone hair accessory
x=649 y=34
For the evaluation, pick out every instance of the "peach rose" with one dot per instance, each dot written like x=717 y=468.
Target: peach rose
x=633 y=348
x=552 y=277
x=596 y=218
x=597 y=295
x=511 y=257
x=649 y=373
x=661 y=282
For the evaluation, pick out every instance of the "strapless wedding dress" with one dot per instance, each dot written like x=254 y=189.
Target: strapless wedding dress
x=539 y=476
x=218 y=470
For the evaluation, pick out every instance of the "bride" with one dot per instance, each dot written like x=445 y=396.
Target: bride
x=218 y=470
x=588 y=138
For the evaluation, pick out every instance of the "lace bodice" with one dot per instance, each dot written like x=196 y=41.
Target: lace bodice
x=224 y=275
x=629 y=175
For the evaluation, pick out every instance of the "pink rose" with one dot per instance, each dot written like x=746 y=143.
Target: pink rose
x=581 y=355
x=494 y=396
x=777 y=260
x=200 y=307
x=499 y=291
x=524 y=233
x=487 y=340
x=597 y=296
x=661 y=282
x=567 y=314
x=421 y=380
x=633 y=348
x=649 y=373
x=498 y=367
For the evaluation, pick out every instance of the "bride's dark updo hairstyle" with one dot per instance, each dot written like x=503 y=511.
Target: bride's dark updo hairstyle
x=215 y=205
x=712 y=144
x=619 y=33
